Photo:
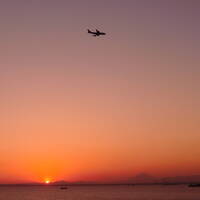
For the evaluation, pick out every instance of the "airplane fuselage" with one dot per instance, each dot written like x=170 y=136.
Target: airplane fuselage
x=97 y=33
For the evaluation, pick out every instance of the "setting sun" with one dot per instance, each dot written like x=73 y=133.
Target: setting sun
x=47 y=181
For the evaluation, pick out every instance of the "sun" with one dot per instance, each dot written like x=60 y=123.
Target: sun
x=47 y=181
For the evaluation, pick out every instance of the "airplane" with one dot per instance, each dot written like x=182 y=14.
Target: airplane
x=97 y=33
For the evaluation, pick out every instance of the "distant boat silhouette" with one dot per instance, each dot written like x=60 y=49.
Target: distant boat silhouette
x=194 y=185
x=63 y=188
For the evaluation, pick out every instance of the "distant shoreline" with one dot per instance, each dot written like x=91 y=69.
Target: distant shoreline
x=95 y=184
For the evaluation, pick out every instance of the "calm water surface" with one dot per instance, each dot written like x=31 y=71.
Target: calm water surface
x=180 y=192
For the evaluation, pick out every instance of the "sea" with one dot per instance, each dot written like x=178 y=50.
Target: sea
x=106 y=192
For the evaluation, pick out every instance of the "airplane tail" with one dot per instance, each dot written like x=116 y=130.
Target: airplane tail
x=89 y=31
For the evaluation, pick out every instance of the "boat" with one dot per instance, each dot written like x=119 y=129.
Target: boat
x=194 y=185
x=63 y=188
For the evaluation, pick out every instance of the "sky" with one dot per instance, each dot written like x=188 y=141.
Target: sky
x=75 y=107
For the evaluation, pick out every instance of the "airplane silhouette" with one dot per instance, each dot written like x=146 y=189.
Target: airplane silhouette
x=97 y=33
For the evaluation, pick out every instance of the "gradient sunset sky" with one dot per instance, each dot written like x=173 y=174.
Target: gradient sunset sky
x=77 y=107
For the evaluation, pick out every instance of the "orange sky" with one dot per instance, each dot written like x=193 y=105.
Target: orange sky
x=75 y=107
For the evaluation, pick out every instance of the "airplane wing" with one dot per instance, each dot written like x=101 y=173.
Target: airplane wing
x=97 y=31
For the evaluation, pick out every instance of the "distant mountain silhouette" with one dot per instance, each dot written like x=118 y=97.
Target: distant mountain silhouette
x=182 y=179
x=143 y=178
